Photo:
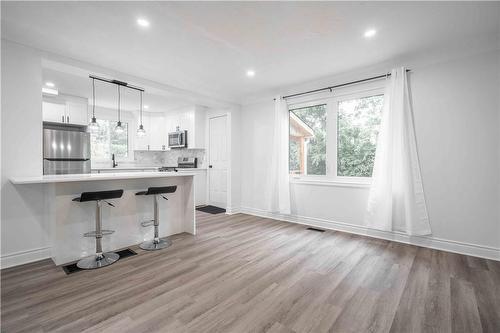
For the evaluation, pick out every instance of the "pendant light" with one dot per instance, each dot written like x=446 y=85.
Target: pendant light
x=119 y=128
x=93 y=125
x=140 y=131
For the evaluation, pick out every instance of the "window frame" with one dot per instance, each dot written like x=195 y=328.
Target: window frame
x=331 y=100
x=126 y=117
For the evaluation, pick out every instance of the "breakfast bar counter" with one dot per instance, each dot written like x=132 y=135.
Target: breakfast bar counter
x=69 y=220
x=45 y=179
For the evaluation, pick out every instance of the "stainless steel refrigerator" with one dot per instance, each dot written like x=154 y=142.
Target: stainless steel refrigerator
x=66 y=150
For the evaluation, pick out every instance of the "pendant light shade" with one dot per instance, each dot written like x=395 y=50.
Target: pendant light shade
x=93 y=125
x=119 y=128
x=141 y=131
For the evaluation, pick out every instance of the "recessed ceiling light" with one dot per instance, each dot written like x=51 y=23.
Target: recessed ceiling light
x=143 y=22
x=146 y=107
x=250 y=73
x=370 y=33
x=50 y=84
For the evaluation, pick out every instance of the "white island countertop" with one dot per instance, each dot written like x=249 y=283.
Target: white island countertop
x=135 y=167
x=119 y=168
x=47 y=179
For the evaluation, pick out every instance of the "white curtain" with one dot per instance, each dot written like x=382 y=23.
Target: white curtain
x=279 y=183
x=396 y=201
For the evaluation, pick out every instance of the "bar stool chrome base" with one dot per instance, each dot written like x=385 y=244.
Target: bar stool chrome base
x=153 y=246
x=97 y=261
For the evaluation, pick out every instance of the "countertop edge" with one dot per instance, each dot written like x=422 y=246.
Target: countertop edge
x=95 y=177
x=145 y=168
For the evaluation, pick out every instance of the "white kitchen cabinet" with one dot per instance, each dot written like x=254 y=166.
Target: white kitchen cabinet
x=76 y=113
x=158 y=137
x=193 y=120
x=53 y=111
x=65 y=109
x=156 y=132
x=158 y=125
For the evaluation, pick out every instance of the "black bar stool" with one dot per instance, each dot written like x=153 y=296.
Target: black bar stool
x=99 y=259
x=156 y=243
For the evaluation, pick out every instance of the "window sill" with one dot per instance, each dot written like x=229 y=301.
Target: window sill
x=331 y=182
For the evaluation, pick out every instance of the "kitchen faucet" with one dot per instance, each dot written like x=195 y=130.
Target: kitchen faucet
x=113 y=159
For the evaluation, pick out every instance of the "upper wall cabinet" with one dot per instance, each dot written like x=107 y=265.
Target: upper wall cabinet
x=76 y=113
x=191 y=119
x=158 y=125
x=65 y=109
x=54 y=111
x=156 y=132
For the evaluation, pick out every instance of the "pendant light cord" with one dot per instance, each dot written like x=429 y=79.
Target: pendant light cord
x=119 y=104
x=93 y=98
x=141 y=107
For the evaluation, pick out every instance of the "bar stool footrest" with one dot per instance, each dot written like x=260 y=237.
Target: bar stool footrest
x=95 y=234
x=148 y=223
x=94 y=262
x=153 y=246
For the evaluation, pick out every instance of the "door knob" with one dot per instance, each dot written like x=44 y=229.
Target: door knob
x=210 y=166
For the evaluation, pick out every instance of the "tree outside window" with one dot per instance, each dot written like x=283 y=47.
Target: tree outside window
x=308 y=140
x=106 y=141
x=358 y=122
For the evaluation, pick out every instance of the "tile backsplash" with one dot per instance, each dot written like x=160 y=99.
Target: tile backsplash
x=167 y=157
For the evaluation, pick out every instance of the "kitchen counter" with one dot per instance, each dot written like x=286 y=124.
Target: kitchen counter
x=124 y=168
x=140 y=168
x=45 y=179
x=67 y=220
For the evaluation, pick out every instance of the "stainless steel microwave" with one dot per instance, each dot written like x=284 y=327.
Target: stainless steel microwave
x=177 y=139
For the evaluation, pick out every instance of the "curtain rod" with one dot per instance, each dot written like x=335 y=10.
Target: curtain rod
x=119 y=83
x=340 y=85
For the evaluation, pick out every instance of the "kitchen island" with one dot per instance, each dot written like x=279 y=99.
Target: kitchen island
x=69 y=220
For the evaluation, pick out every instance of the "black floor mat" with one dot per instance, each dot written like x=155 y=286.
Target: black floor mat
x=315 y=229
x=72 y=268
x=211 y=209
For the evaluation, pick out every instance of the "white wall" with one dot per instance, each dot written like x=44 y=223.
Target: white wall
x=24 y=233
x=457 y=126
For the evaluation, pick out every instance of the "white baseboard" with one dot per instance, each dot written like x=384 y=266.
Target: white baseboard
x=424 y=241
x=232 y=210
x=24 y=257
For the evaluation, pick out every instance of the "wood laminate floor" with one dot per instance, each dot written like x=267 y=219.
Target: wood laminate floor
x=247 y=274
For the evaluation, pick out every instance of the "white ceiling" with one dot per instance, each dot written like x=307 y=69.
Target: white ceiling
x=207 y=47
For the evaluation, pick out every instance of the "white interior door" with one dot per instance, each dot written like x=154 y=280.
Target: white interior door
x=217 y=161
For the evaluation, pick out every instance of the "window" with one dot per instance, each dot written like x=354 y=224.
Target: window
x=308 y=140
x=358 y=121
x=106 y=142
x=335 y=137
